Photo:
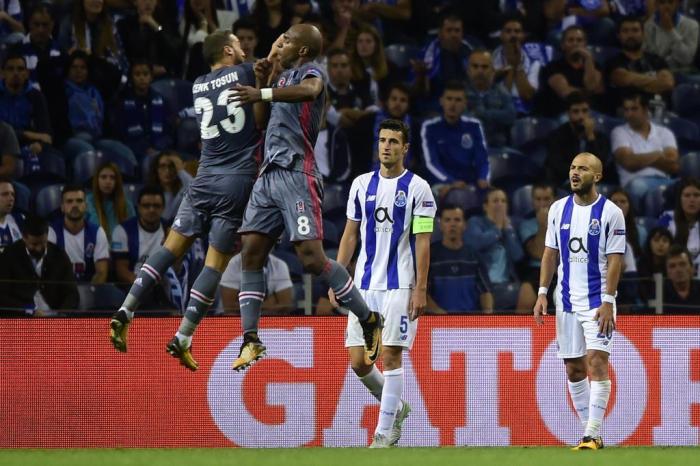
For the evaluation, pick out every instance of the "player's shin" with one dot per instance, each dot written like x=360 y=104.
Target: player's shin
x=202 y=297
x=150 y=274
x=600 y=393
x=580 y=396
x=391 y=400
x=374 y=381
x=345 y=291
x=250 y=299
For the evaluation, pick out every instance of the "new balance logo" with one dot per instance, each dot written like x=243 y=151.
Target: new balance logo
x=371 y=198
x=176 y=222
x=565 y=226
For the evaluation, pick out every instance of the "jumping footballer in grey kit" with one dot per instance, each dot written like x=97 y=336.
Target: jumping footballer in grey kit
x=288 y=192
x=216 y=198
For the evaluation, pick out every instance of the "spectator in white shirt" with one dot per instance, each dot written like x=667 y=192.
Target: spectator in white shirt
x=646 y=153
x=279 y=299
x=85 y=243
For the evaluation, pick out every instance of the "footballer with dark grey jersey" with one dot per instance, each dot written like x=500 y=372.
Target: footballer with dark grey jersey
x=215 y=200
x=288 y=193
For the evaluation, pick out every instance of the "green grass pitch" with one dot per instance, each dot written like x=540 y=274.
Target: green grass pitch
x=510 y=456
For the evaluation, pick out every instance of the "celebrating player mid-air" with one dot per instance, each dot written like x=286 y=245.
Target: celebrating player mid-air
x=216 y=198
x=288 y=191
x=586 y=232
x=392 y=211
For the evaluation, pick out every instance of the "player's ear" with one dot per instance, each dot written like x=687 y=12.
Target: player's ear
x=405 y=148
x=303 y=51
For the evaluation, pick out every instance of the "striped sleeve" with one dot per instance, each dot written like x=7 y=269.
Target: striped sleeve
x=354 y=207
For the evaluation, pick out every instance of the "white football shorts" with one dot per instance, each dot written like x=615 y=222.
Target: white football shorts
x=577 y=332
x=399 y=330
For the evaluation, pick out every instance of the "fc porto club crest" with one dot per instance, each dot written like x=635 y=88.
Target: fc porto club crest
x=467 y=141
x=400 y=199
x=594 y=227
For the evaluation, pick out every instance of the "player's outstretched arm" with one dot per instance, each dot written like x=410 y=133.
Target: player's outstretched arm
x=306 y=90
x=549 y=261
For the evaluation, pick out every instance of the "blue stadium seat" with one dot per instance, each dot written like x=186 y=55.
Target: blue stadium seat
x=401 y=54
x=690 y=164
x=176 y=92
x=468 y=199
x=506 y=297
x=22 y=196
x=602 y=53
x=187 y=136
x=657 y=201
x=52 y=169
x=85 y=165
x=335 y=198
x=521 y=201
x=605 y=189
x=511 y=170
x=121 y=155
x=132 y=191
x=686 y=100
x=48 y=200
x=530 y=131
x=605 y=123
x=687 y=133
x=105 y=297
x=296 y=270
x=331 y=236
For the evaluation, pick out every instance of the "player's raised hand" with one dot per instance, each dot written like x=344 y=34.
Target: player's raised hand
x=244 y=94
x=540 y=309
x=331 y=298
x=606 y=321
x=416 y=307
x=262 y=69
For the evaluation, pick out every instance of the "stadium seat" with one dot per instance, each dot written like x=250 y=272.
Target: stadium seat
x=506 y=297
x=656 y=201
x=601 y=53
x=510 y=170
x=690 y=164
x=605 y=123
x=530 y=131
x=132 y=191
x=521 y=201
x=52 y=169
x=605 y=189
x=106 y=297
x=22 y=196
x=687 y=133
x=85 y=165
x=401 y=54
x=48 y=200
x=686 y=100
x=187 y=136
x=335 y=198
x=468 y=199
x=121 y=155
x=331 y=236
x=176 y=92
x=296 y=270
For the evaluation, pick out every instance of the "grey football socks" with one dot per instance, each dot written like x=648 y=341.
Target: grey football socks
x=345 y=291
x=250 y=299
x=202 y=296
x=149 y=274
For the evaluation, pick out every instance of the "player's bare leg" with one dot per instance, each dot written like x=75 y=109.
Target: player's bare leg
x=175 y=246
x=201 y=299
x=256 y=249
x=314 y=260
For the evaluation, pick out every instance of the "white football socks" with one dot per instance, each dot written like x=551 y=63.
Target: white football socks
x=600 y=393
x=580 y=396
x=391 y=400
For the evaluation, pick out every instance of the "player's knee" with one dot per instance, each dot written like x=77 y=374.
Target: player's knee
x=360 y=368
x=391 y=358
x=311 y=259
x=598 y=364
x=252 y=257
x=576 y=370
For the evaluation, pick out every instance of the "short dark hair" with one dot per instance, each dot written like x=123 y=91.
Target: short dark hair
x=40 y=7
x=336 y=51
x=544 y=185
x=677 y=250
x=396 y=125
x=14 y=54
x=452 y=207
x=6 y=179
x=641 y=97
x=454 y=85
x=576 y=98
x=574 y=27
x=151 y=190
x=77 y=54
x=244 y=23
x=213 y=46
x=513 y=18
x=399 y=86
x=71 y=188
x=35 y=226
x=140 y=61
x=630 y=19
x=449 y=15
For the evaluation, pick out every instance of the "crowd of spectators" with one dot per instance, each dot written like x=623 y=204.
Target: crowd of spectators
x=98 y=139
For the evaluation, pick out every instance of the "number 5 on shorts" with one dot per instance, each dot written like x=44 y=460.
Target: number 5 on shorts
x=403 y=326
x=303 y=225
